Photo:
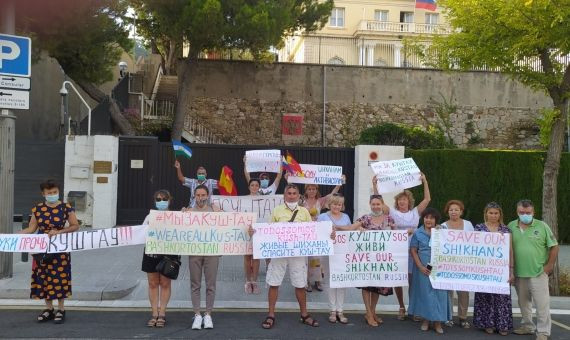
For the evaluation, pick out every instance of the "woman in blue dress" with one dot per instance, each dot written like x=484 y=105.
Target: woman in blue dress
x=426 y=302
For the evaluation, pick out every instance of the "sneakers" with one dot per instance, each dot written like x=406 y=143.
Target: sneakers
x=208 y=323
x=541 y=337
x=197 y=324
x=523 y=331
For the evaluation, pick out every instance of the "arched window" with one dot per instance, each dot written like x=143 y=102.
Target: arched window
x=336 y=61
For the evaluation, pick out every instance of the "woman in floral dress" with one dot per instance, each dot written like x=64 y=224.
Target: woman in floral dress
x=51 y=273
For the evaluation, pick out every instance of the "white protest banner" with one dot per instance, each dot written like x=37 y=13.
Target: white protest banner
x=472 y=261
x=396 y=175
x=376 y=258
x=273 y=240
x=317 y=174
x=263 y=161
x=24 y=243
x=261 y=205
x=97 y=239
x=199 y=233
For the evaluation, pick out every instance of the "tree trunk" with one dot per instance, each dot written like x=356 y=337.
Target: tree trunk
x=184 y=78
x=123 y=125
x=550 y=182
x=172 y=58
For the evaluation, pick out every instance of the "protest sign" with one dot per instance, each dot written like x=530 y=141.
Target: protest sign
x=396 y=175
x=273 y=240
x=97 y=239
x=377 y=258
x=199 y=233
x=261 y=205
x=470 y=261
x=317 y=174
x=263 y=161
x=24 y=243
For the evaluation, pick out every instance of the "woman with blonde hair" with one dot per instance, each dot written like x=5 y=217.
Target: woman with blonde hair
x=406 y=217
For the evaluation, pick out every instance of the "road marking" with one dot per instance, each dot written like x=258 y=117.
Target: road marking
x=561 y=325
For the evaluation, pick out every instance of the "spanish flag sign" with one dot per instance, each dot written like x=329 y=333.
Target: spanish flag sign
x=226 y=184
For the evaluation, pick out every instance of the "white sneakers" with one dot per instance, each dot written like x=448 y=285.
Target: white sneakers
x=197 y=324
x=207 y=320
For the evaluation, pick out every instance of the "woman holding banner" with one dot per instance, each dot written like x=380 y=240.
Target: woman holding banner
x=251 y=266
x=426 y=302
x=203 y=264
x=51 y=273
x=159 y=286
x=339 y=220
x=494 y=312
x=313 y=201
x=454 y=209
x=264 y=187
x=376 y=220
x=406 y=217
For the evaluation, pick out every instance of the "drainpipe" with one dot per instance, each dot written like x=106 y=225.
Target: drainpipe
x=324 y=105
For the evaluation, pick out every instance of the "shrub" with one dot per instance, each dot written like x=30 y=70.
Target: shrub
x=411 y=137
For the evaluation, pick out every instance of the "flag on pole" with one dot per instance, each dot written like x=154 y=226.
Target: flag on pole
x=291 y=165
x=226 y=184
x=426 y=4
x=181 y=150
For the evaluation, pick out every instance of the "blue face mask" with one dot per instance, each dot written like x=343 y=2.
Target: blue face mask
x=264 y=183
x=51 y=199
x=201 y=178
x=525 y=218
x=162 y=205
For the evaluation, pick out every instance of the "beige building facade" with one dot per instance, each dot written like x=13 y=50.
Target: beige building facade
x=366 y=33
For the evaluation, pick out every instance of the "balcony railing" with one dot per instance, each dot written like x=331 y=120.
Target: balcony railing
x=402 y=27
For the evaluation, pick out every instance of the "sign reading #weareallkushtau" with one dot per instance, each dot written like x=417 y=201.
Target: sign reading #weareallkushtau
x=369 y=259
x=274 y=240
x=317 y=174
x=470 y=261
x=199 y=233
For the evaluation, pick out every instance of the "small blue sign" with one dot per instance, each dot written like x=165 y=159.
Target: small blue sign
x=15 y=55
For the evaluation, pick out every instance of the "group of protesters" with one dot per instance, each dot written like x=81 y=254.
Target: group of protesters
x=533 y=252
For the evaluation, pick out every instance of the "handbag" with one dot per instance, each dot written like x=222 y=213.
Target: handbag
x=168 y=267
x=43 y=258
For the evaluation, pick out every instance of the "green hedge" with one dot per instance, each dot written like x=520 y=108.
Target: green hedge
x=479 y=177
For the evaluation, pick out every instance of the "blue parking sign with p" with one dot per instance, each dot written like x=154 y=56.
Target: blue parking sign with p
x=15 y=55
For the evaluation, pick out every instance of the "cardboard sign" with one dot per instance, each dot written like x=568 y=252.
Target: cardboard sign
x=274 y=240
x=261 y=205
x=471 y=261
x=396 y=175
x=376 y=258
x=199 y=233
x=263 y=161
x=318 y=174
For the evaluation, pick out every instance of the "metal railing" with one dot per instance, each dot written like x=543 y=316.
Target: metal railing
x=201 y=133
x=403 y=27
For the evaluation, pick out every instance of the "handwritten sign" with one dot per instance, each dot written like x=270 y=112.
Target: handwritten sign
x=263 y=161
x=318 y=174
x=376 y=258
x=261 y=205
x=470 y=261
x=273 y=240
x=396 y=175
x=24 y=243
x=97 y=239
x=199 y=233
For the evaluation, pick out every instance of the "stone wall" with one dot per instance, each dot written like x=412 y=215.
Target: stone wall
x=245 y=102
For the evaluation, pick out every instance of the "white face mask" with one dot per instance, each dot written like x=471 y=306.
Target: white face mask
x=291 y=206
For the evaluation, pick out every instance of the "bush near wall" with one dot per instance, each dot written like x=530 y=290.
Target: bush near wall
x=479 y=177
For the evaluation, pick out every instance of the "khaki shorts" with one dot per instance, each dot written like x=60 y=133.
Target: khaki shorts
x=297 y=271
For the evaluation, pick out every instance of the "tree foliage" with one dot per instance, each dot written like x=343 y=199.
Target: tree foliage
x=414 y=137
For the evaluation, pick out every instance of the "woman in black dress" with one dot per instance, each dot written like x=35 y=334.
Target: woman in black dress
x=158 y=284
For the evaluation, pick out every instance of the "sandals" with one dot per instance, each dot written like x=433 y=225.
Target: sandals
x=402 y=314
x=332 y=317
x=248 y=288
x=255 y=288
x=160 y=321
x=268 y=323
x=318 y=286
x=308 y=320
x=309 y=288
x=59 y=316
x=46 y=315
x=464 y=324
x=371 y=323
x=425 y=326
x=152 y=321
x=504 y=333
x=341 y=318
x=489 y=330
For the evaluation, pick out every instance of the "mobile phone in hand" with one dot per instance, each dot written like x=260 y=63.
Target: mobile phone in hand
x=429 y=267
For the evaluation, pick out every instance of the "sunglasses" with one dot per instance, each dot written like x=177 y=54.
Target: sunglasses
x=375 y=196
x=338 y=194
x=159 y=199
x=493 y=205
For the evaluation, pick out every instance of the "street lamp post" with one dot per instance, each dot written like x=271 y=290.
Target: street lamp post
x=63 y=92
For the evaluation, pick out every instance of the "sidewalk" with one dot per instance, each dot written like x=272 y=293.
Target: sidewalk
x=112 y=278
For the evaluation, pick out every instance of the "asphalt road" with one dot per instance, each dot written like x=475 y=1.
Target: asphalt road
x=235 y=324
